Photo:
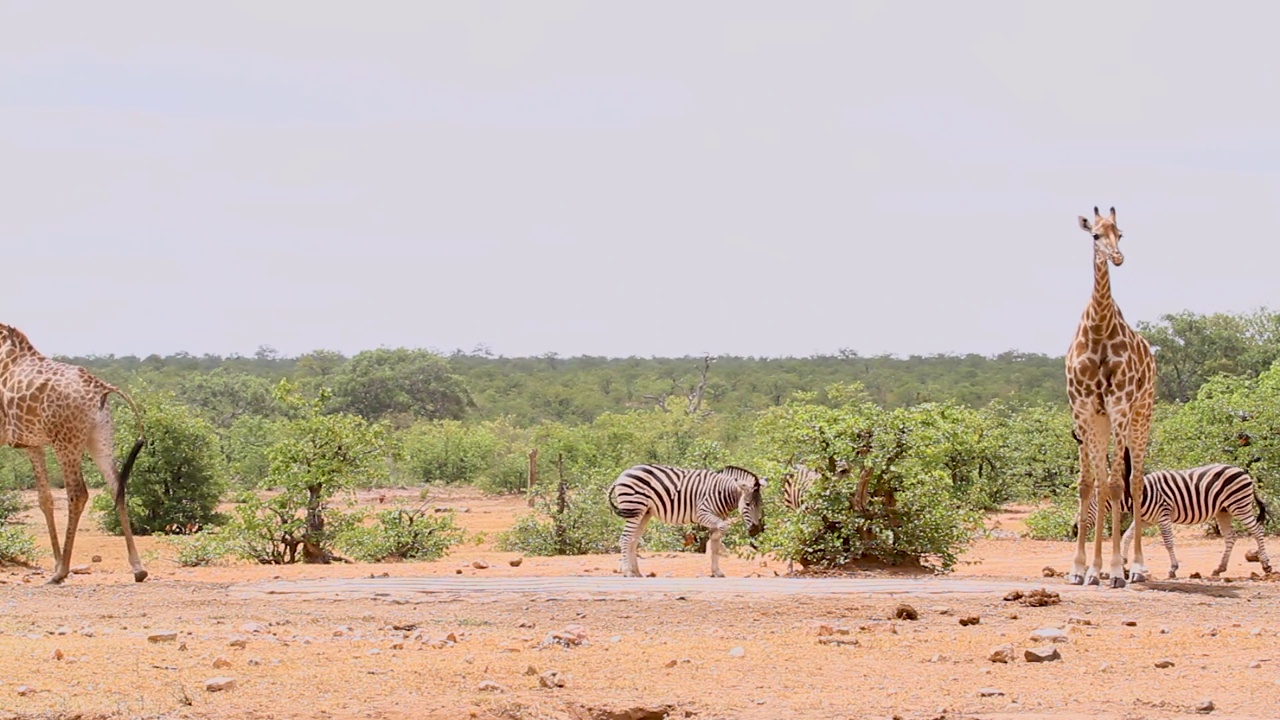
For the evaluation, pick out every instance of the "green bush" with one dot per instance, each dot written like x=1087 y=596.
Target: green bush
x=179 y=476
x=201 y=549
x=1055 y=521
x=582 y=529
x=909 y=513
x=490 y=455
x=401 y=535
x=17 y=544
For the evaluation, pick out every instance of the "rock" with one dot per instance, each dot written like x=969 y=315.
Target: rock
x=480 y=565
x=1048 y=572
x=526 y=624
x=1204 y=706
x=531 y=671
x=1255 y=665
x=489 y=686
x=1077 y=620
x=25 y=690
x=238 y=643
x=96 y=558
x=1044 y=653
x=57 y=654
x=81 y=569
x=1104 y=667
x=572 y=635
x=905 y=612
x=1050 y=635
x=1001 y=654
x=64 y=630
x=551 y=679
x=1195 y=576
x=221 y=662
x=515 y=562
x=825 y=629
x=458 y=571
x=87 y=631
x=1255 y=632
x=218 y=684
x=992 y=692
x=1129 y=623
x=970 y=620
x=397 y=646
x=253 y=628
x=1210 y=632
x=670 y=664
x=737 y=652
x=1164 y=664
x=1013 y=595
x=1251 y=555
x=164 y=636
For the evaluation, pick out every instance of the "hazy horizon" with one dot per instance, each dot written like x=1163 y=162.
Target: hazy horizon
x=732 y=178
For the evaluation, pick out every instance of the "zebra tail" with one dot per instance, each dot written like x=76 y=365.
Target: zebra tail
x=1262 y=508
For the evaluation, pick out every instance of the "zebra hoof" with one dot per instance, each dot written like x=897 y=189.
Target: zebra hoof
x=1173 y=574
x=1117 y=583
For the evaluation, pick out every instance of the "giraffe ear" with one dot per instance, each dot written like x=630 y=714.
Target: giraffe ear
x=1095 y=212
x=1085 y=226
x=1113 y=214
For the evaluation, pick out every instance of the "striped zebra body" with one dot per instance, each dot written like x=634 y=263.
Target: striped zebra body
x=1191 y=497
x=681 y=495
x=796 y=484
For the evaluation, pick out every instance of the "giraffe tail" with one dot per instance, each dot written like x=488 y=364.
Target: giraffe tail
x=128 y=468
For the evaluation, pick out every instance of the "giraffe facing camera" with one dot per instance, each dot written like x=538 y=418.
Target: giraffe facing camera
x=46 y=403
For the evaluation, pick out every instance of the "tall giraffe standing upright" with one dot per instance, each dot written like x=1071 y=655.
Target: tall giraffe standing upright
x=44 y=402
x=1111 y=375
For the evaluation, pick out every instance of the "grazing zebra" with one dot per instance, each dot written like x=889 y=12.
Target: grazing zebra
x=800 y=478
x=1190 y=497
x=679 y=495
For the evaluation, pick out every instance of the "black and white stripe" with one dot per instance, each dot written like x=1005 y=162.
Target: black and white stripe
x=1191 y=497
x=796 y=484
x=679 y=496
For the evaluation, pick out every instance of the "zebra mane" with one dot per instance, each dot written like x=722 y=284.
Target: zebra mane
x=735 y=470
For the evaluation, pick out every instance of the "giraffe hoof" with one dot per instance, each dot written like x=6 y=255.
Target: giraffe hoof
x=55 y=580
x=717 y=574
x=1137 y=577
x=1117 y=583
x=1075 y=579
x=139 y=575
x=1092 y=579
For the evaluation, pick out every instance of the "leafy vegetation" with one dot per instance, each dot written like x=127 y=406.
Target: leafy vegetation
x=401 y=534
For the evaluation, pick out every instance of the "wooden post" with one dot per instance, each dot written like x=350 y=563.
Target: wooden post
x=533 y=475
x=562 y=504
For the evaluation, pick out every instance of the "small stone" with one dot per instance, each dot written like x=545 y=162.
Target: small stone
x=489 y=686
x=1164 y=664
x=515 y=562
x=825 y=629
x=970 y=620
x=64 y=630
x=1129 y=623
x=1210 y=632
x=1204 y=706
x=221 y=662
x=1001 y=654
x=182 y=646
x=1077 y=620
x=551 y=679
x=480 y=565
x=1049 y=634
x=458 y=571
x=1255 y=632
x=526 y=624
x=1251 y=555
x=531 y=670
x=253 y=628
x=670 y=664
x=1255 y=665
x=96 y=558
x=1048 y=572
x=24 y=690
x=81 y=569
x=837 y=641
x=992 y=692
x=905 y=612
x=397 y=646
x=238 y=643
x=254 y=662
x=57 y=654
x=737 y=652
x=1104 y=667
x=218 y=684
x=165 y=636
x=1045 y=653
x=1195 y=576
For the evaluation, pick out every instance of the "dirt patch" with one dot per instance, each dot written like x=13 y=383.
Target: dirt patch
x=752 y=656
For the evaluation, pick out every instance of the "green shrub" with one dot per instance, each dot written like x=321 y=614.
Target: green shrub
x=201 y=549
x=17 y=544
x=401 y=535
x=1055 y=521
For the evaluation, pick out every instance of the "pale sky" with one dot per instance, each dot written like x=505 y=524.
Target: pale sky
x=657 y=178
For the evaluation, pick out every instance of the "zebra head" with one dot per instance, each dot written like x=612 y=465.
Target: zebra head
x=750 y=503
x=1106 y=236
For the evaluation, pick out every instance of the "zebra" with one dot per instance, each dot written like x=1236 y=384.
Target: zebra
x=797 y=482
x=681 y=495
x=1190 y=497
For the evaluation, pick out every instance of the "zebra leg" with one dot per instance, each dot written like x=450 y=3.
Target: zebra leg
x=713 y=548
x=1166 y=537
x=631 y=533
x=1229 y=535
x=1126 y=543
x=1256 y=530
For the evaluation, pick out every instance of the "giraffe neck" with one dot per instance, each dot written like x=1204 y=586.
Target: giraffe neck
x=1102 y=307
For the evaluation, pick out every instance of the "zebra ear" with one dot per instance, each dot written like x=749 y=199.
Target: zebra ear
x=764 y=481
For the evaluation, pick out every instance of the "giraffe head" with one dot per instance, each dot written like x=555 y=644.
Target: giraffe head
x=1106 y=236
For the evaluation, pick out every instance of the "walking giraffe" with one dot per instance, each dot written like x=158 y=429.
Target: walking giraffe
x=1111 y=385
x=44 y=402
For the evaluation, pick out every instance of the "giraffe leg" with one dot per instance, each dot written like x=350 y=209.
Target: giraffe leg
x=1133 y=460
x=1091 y=473
x=36 y=455
x=101 y=451
x=1229 y=536
x=77 y=496
x=1098 y=463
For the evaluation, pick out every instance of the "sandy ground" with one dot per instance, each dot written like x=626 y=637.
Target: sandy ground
x=704 y=656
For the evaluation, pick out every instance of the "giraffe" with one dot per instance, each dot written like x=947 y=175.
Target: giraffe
x=43 y=403
x=1111 y=375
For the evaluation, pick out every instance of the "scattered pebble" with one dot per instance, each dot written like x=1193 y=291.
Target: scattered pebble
x=165 y=636
x=515 y=562
x=57 y=654
x=992 y=692
x=1164 y=664
x=970 y=620
x=218 y=684
x=1046 y=653
x=81 y=569
x=1077 y=620
x=905 y=612
x=1204 y=706
x=96 y=558
x=221 y=662
x=489 y=686
x=1129 y=623
x=1001 y=654
x=1050 y=635
x=551 y=679
x=737 y=652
